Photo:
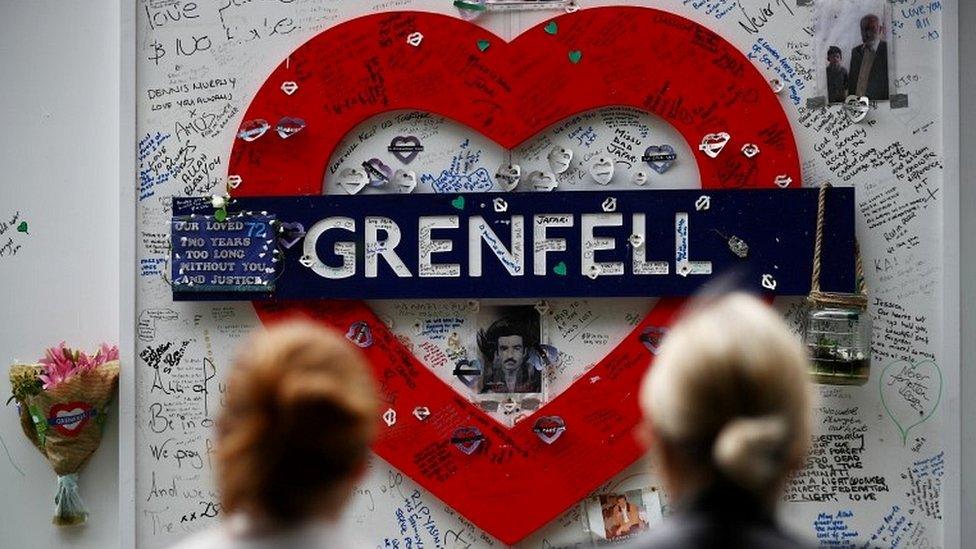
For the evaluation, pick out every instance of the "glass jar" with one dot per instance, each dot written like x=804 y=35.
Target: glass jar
x=839 y=342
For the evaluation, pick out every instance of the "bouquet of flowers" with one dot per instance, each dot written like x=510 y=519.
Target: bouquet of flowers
x=63 y=403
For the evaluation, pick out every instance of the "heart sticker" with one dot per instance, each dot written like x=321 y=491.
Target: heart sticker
x=508 y=176
x=639 y=178
x=405 y=181
x=543 y=181
x=379 y=173
x=660 y=158
x=651 y=338
x=468 y=371
x=559 y=159
x=713 y=143
x=290 y=233
x=483 y=45
x=22 y=227
x=549 y=428
x=856 y=107
x=353 y=180
x=750 y=150
x=360 y=334
x=405 y=148
x=530 y=62
x=602 y=170
x=289 y=126
x=69 y=418
x=467 y=439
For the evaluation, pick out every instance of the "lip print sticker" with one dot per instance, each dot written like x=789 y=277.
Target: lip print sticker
x=508 y=176
x=783 y=181
x=353 y=180
x=467 y=439
x=713 y=143
x=405 y=148
x=379 y=173
x=70 y=418
x=405 y=180
x=289 y=126
x=659 y=158
x=543 y=181
x=602 y=170
x=559 y=159
x=513 y=509
x=253 y=129
x=750 y=150
x=549 y=428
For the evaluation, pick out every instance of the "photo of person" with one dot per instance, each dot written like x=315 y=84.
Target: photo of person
x=852 y=40
x=615 y=517
x=509 y=351
x=836 y=76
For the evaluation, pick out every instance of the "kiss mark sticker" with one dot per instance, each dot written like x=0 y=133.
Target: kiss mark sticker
x=389 y=417
x=69 y=418
x=253 y=129
x=415 y=38
x=543 y=181
x=289 y=87
x=750 y=150
x=549 y=428
x=713 y=143
x=421 y=412
x=783 y=181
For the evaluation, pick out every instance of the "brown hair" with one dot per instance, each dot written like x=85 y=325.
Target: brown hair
x=300 y=415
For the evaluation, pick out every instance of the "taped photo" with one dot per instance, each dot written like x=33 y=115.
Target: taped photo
x=853 y=49
x=510 y=350
x=616 y=517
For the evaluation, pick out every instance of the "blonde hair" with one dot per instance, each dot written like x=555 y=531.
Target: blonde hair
x=730 y=386
x=299 y=416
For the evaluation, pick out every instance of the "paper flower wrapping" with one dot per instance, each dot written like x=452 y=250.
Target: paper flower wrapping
x=63 y=404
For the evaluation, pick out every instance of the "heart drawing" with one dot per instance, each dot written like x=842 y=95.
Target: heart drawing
x=910 y=393
x=497 y=485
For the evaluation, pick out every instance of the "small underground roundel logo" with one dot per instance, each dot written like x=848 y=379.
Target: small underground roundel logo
x=70 y=418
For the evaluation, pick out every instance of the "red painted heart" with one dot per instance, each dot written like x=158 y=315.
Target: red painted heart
x=636 y=57
x=70 y=418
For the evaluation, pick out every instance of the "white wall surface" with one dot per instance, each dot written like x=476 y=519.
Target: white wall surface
x=59 y=127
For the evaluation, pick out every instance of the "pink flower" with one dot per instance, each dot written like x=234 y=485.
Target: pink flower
x=60 y=363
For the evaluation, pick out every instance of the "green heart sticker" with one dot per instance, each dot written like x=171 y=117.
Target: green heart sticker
x=551 y=27
x=483 y=45
x=575 y=56
x=22 y=228
x=560 y=268
x=221 y=215
x=458 y=202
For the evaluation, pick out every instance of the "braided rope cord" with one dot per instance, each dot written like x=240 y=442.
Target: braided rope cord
x=821 y=298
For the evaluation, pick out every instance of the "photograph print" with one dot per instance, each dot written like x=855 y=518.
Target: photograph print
x=853 y=44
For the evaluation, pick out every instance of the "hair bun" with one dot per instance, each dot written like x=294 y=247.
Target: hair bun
x=750 y=451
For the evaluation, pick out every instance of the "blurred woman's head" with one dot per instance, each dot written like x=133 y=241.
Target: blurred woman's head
x=727 y=399
x=299 y=416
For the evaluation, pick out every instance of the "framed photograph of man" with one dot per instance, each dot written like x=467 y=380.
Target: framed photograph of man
x=616 y=517
x=510 y=340
x=853 y=49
